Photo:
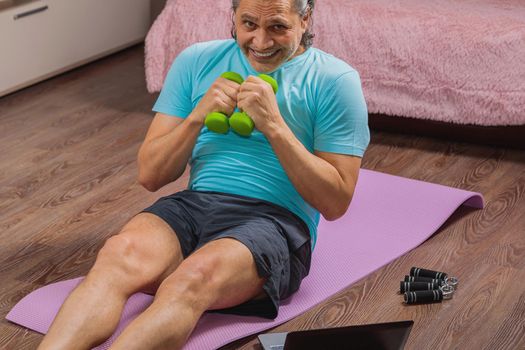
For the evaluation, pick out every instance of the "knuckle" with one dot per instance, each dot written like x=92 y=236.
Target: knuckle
x=215 y=93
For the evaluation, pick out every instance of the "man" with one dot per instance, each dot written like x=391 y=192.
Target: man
x=239 y=239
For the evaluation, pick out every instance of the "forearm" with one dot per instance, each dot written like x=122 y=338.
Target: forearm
x=316 y=180
x=163 y=159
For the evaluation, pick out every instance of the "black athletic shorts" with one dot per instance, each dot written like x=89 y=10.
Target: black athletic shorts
x=278 y=239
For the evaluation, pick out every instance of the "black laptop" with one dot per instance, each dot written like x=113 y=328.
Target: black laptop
x=377 y=336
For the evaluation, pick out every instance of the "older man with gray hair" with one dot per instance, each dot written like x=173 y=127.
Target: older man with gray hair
x=239 y=239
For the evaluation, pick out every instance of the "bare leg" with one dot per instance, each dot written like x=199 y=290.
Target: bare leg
x=139 y=258
x=219 y=275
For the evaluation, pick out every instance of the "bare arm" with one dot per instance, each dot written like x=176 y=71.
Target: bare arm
x=166 y=150
x=169 y=142
x=325 y=180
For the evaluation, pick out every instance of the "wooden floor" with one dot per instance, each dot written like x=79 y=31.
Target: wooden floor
x=68 y=182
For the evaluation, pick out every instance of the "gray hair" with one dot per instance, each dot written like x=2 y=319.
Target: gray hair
x=301 y=6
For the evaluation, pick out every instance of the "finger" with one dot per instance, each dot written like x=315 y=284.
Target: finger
x=228 y=102
x=230 y=88
x=256 y=81
x=242 y=100
x=228 y=82
x=245 y=97
x=253 y=79
x=249 y=86
x=248 y=102
x=232 y=94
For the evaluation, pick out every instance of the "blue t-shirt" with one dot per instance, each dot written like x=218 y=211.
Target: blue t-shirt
x=319 y=97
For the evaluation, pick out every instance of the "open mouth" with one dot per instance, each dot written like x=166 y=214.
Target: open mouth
x=263 y=55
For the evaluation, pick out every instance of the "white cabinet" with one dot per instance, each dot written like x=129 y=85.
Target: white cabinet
x=63 y=34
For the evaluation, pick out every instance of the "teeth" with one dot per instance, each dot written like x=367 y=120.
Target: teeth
x=260 y=54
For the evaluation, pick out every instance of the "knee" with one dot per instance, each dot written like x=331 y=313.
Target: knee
x=120 y=254
x=193 y=283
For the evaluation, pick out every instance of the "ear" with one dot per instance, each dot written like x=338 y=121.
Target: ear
x=233 y=31
x=305 y=21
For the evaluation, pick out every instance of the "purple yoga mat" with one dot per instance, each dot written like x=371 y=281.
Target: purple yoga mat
x=388 y=217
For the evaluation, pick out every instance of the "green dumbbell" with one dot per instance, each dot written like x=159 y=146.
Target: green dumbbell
x=240 y=122
x=216 y=121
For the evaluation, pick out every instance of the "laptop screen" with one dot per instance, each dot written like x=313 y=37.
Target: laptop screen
x=378 y=336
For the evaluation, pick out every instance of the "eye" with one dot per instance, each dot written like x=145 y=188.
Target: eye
x=278 y=27
x=249 y=25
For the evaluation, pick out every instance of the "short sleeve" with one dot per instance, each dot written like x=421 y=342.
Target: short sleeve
x=175 y=96
x=341 y=124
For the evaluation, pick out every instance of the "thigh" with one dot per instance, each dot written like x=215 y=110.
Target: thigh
x=184 y=212
x=220 y=274
x=268 y=245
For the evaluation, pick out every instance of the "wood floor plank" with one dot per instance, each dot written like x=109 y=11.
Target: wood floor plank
x=510 y=333
x=483 y=292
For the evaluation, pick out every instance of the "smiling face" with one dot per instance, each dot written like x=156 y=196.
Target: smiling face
x=269 y=32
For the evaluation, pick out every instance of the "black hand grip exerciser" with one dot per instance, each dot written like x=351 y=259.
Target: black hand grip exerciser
x=419 y=272
x=423 y=279
x=424 y=296
x=415 y=286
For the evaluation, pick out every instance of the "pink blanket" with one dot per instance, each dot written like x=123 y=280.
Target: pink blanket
x=454 y=61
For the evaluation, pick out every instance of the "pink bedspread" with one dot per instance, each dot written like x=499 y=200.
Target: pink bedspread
x=454 y=61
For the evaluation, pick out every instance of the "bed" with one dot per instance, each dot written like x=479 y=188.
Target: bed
x=445 y=63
